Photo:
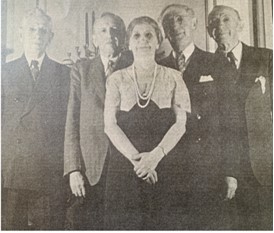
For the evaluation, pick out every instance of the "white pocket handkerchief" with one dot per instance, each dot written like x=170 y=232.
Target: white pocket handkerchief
x=207 y=78
x=262 y=81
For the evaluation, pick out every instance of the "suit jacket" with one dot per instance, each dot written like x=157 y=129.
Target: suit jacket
x=86 y=144
x=200 y=143
x=252 y=119
x=33 y=124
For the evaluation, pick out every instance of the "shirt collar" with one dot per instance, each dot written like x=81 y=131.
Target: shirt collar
x=40 y=60
x=105 y=61
x=187 y=51
x=237 y=52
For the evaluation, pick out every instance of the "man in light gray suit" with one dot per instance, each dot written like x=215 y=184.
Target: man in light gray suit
x=86 y=144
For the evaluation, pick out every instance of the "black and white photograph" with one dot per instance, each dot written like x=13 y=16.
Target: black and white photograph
x=137 y=115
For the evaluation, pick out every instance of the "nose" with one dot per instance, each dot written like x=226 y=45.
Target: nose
x=38 y=33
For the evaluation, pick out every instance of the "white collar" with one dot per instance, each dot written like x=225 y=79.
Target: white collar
x=40 y=60
x=237 y=52
x=187 y=51
x=105 y=61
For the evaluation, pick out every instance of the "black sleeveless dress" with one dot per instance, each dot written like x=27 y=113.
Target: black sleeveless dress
x=131 y=203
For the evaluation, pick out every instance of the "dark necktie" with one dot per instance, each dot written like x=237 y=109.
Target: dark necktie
x=34 y=68
x=181 y=62
x=110 y=68
x=232 y=59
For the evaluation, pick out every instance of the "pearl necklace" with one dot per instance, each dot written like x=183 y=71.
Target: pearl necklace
x=137 y=91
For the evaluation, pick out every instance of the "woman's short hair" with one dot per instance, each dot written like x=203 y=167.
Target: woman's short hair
x=144 y=20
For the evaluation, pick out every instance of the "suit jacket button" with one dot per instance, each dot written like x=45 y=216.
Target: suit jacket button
x=198 y=140
x=199 y=116
x=19 y=140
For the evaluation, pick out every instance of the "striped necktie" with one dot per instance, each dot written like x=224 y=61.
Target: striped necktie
x=181 y=62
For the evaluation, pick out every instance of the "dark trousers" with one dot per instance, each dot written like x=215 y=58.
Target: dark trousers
x=32 y=210
x=209 y=211
x=88 y=213
x=254 y=206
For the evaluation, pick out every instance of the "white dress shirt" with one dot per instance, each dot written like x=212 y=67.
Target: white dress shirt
x=40 y=60
x=187 y=51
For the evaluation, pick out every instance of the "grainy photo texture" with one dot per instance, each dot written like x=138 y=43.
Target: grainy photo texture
x=136 y=115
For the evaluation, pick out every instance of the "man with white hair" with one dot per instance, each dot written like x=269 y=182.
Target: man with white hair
x=34 y=100
x=248 y=150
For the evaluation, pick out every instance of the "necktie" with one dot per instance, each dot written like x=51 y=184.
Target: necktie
x=181 y=62
x=110 y=68
x=232 y=59
x=34 y=69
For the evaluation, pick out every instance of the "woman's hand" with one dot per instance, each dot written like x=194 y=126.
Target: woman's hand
x=148 y=161
x=151 y=177
x=148 y=175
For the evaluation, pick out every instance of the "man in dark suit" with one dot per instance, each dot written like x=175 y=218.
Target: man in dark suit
x=35 y=92
x=86 y=145
x=249 y=94
x=201 y=176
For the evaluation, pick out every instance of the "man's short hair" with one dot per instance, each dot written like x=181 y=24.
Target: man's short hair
x=118 y=20
x=221 y=7
x=37 y=13
x=169 y=10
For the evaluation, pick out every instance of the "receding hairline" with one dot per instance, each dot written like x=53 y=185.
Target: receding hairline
x=176 y=7
x=37 y=13
x=223 y=7
x=117 y=19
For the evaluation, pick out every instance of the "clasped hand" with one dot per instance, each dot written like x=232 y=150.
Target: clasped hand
x=145 y=164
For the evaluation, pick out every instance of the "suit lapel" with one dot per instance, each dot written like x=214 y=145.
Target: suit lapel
x=24 y=80
x=42 y=86
x=190 y=76
x=97 y=78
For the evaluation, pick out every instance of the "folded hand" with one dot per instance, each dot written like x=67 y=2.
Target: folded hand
x=146 y=163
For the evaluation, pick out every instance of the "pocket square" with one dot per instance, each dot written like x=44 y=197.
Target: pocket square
x=207 y=78
x=262 y=82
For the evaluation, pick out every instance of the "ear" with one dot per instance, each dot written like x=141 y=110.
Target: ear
x=209 y=30
x=129 y=47
x=240 y=26
x=51 y=37
x=194 y=23
x=95 y=42
x=21 y=34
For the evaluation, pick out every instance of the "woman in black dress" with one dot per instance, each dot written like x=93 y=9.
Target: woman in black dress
x=145 y=117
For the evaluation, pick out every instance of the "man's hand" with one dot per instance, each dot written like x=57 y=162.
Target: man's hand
x=76 y=181
x=231 y=187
